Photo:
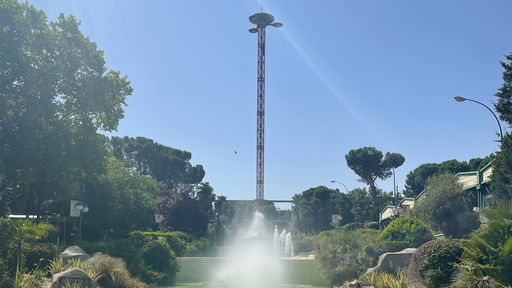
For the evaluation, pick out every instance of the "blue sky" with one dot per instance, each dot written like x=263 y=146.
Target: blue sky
x=340 y=75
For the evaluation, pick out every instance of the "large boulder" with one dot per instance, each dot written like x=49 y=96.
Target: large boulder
x=72 y=276
x=74 y=252
x=391 y=262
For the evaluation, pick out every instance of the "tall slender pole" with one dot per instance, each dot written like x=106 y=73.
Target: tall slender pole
x=261 y=20
x=260 y=126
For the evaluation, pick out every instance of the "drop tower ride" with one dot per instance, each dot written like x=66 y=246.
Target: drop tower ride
x=261 y=20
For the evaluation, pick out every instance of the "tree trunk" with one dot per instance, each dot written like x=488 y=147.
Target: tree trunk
x=373 y=193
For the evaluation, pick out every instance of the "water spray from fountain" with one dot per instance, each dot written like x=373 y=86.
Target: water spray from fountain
x=251 y=261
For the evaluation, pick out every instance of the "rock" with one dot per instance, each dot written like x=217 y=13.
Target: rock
x=391 y=262
x=74 y=252
x=355 y=284
x=73 y=276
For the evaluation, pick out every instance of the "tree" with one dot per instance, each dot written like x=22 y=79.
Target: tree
x=369 y=164
x=122 y=201
x=362 y=204
x=445 y=206
x=502 y=172
x=168 y=165
x=504 y=94
x=187 y=208
x=501 y=185
x=313 y=209
x=55 y=93
x=416 y=180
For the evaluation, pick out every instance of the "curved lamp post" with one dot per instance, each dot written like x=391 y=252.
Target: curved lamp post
x=462 y=99
x=334 y=181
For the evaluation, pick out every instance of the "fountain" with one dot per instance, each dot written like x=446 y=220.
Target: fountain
x=251 y=262
x=257 y=258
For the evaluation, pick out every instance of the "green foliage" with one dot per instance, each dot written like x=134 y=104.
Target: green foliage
x=487 y=256
x=107 y=271
x=446 y=207
x=385 y=280
x=363 y=206
x=313 y=209
x=56 y=93
x=200 y=247
x=373 y=251
x=339 y=253
x=504 y=94
x=38 y=255
x=17 y=236
x=370 y=164
x=159 y=256
x=407 y=228
x=124 y=201
x=416 y=180
x=167 y=165
x=33 y=279
x=434 y=262
x=187 y=208
x=121 y=248
x=501 y=185
x=303 y=243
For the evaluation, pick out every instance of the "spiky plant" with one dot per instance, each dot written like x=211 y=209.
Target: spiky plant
x=487 y=257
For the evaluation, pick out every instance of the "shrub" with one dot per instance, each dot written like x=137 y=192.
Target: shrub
x=303 y=243
x=201 y=247
x=177 y=240
x=407 y=228
x=108 y=272
x=122 y=248
x=435 y=262
x=38 y=254
x=339 y=253
x=385 y=280
x=487 y=257
x=158 y=255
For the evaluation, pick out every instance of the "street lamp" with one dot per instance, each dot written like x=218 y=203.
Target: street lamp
x=334 y=181
x=82 y=208
x=462 y=99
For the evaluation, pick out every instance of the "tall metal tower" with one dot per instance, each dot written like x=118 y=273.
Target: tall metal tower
x=261 y=20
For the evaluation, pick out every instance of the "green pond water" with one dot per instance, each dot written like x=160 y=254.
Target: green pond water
x=198 y=285
x=298 y=272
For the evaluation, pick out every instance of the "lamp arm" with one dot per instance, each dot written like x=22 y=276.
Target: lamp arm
x=493 y=114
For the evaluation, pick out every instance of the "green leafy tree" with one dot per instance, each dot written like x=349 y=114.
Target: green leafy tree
x=501 y=185
x=124 y=200
x=313 y=209
x=362 y=204
x=168 y=165
x=187 y=208
x=502 y=172
x=416 y=180
x=504 y=94
x=370 y=164
x=446 y=206
x=55 y=93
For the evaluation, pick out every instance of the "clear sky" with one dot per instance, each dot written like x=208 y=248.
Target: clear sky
x=340 y=75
